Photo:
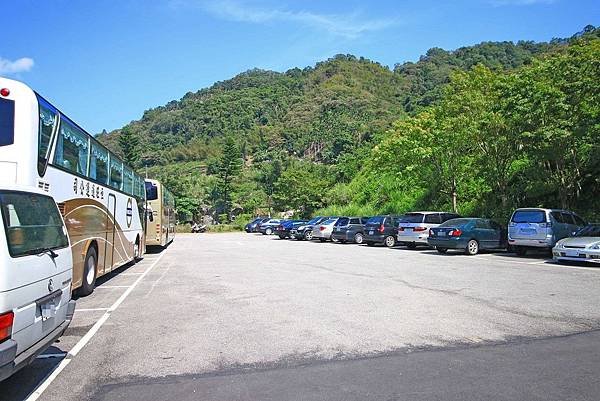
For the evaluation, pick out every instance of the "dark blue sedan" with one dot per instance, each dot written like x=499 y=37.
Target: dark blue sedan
x=468 y=234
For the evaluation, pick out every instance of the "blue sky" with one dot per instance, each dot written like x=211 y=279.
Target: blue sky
x=104 y=62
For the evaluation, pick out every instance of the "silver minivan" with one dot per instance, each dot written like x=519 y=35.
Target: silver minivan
x=537 y=228
x=36 y=270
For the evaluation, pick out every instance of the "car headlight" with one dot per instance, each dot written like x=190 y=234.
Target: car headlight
x=560 y=245
x=301 y=227
x=595 y=246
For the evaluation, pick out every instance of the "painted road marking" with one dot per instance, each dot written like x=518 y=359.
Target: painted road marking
x=90 y=309
x=86 y=338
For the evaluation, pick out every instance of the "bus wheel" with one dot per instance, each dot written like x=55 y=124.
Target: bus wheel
x=89 y=272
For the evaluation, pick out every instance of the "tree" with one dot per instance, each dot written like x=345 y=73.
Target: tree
x=130 y=146
x=228 y=168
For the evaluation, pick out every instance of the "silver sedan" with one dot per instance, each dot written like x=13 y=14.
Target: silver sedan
x=584 y=246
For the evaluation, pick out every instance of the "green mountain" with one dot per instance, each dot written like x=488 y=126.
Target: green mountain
x=322 y=122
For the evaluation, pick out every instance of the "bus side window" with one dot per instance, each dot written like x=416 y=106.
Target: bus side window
x=71 y=148
x=99 y=164
x=116 y=173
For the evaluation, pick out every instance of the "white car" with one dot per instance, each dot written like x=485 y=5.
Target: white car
x=323 y=231
x=584 y=246
x=413 y=228
x=36 y=271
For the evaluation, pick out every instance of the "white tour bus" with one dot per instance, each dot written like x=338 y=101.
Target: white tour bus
x=36 y=267
x=101 y=199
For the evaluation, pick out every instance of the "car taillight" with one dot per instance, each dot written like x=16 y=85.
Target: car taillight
x=321 y=228
x=6 y=323
x=431 y=233
x=4 y=92
x=419 y=228
x=381 y=228
x=400 y=228
x=455 y=233
x=546 y=225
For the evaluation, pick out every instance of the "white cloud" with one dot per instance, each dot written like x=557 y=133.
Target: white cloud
x=349 y=26
x=520 y=2
x=13 y=67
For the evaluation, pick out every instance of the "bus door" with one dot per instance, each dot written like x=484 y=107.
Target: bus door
x=111 y=226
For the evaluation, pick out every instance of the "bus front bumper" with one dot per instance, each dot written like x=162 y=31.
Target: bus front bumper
x=10 y=362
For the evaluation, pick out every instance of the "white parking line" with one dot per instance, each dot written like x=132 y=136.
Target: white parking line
x=90 y=309
x=129 y=274
x=86 y=338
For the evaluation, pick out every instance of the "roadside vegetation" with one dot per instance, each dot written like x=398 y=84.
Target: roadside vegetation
x=480 y=130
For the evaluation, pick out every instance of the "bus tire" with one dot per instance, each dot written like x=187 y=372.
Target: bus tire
x=89 y=272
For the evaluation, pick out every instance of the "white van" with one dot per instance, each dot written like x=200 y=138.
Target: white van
x=36 y=270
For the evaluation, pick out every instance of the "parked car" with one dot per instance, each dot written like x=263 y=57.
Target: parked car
x=536 y=228
x=305 y=231
x=285 y=227
x=381 y=230
x=584 y=246
x=349 y=229
x=268 y=227
x=36 y=271
x=413 y=229
x=253 y=226
x=468 y=234
x=323 y=230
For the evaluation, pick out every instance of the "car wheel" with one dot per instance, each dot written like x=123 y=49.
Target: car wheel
x=520 y=251
x=390 y=241
x=370 y=243
x=441 y=250
x=472 y=247
x=268 y=231
x=411 y=245
x=89 y=272
x=281 y=236
x=308 y=235
x=358 y=238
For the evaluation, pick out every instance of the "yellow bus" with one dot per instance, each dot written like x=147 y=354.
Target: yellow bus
x=160 y=227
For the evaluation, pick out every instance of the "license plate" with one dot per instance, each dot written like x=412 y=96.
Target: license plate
x=442 y=233
x=48 y=310
x=572 y=254
x=371 y=232
x=528 y=231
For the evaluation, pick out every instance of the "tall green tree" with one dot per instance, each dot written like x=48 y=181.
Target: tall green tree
x=228 y=168
x=130 y=146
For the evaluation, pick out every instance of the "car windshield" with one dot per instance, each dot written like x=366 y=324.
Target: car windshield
x=329 y=221
x=529 y=216
x=412 y=218
x=376 y=220
x=593 y=230
x=32 y=223
x=456 y=223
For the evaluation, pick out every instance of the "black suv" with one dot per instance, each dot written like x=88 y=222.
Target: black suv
x=305 y=231
x=349 y=229
x=381 y=230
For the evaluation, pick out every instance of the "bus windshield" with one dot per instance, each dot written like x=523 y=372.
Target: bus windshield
x=7 y=122
x=151 y=191
x=32 y=223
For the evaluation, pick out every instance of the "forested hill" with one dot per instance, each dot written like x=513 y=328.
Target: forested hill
x=481 y=129
x=317 y=112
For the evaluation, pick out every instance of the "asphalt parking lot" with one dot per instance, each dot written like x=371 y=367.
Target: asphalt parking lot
x=249 y=317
